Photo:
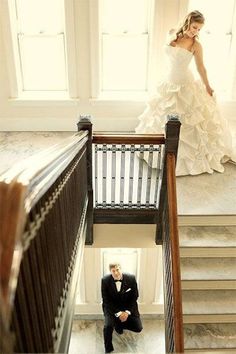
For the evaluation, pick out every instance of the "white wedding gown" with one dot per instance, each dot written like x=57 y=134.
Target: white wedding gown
x=205 y=139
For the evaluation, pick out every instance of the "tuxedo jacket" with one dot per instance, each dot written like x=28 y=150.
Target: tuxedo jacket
x=126 y=299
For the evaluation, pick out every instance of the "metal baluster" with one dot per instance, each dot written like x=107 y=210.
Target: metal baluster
x=149 y=175
x=95 y=164
x=122 y=175
x=159 y=164
x=140 y=176
x=118 y=175
x=126 y=175
x=131 y=175
x=104 y=175
x=109 y=175
x=113 y=175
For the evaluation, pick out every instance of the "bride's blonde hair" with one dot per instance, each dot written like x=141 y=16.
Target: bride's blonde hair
x=193 y=16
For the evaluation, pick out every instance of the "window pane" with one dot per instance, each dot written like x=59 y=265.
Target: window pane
x=40 y=16
x=124 y=15
x=218 y=14
x=127 y=257
x=43 y=63
x=124 y=62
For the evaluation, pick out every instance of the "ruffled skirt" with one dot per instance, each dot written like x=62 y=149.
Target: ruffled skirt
x=205 y=140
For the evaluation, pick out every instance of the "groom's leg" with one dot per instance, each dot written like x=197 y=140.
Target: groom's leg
x=133 y=324
x=107 y=333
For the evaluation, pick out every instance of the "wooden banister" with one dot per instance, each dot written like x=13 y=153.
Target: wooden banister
x=31 y=192
x=12 y=220
x=171 y=146
x=39 y=171
x=175 y=254
x=114 y=138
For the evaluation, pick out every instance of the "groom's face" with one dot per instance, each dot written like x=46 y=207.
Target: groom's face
x=116 y=272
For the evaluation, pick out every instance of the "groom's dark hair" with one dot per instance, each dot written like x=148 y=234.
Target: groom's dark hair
x=113 y=265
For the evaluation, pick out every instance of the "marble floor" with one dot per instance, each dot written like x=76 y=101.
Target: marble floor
x=87 y=338
x=197 y=195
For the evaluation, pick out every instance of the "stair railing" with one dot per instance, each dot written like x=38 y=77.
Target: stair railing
x=126 y=187
x=167 y=236
x=44 y=203
x=44 y=224
x=134 y=182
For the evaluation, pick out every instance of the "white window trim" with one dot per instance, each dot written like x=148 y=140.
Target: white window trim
x=7 y=11
x=129 y=97
x=233 y=56
x=94 y=48
x=8 y=25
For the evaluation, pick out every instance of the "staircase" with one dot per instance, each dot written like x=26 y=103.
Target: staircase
x=208 y=272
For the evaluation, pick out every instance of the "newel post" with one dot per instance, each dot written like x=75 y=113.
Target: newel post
x=84 y=123
x=172 y=131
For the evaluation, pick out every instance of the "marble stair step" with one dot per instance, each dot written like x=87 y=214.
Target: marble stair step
x=210 y=336
x=208 y=268
x=208 y=284
x=209 y=318
x=209 y=302
x=211 y=351
x=207 y=236
x=209 y=252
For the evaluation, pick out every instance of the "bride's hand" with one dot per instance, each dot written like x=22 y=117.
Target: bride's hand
x=210 y=91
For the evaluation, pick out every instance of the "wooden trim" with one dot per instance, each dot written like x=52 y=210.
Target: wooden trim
x=175 y=254
x=124 y=138
x=85 y=124
x=40 y=171
x=12 y=221
x=125 y=216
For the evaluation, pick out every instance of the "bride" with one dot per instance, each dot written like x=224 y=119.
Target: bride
x=205 y=140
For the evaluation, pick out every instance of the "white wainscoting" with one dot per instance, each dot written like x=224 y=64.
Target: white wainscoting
x=149 y=278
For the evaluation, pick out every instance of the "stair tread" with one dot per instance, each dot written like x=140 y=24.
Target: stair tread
x=210 y=335
x=208 y=284
x=209 y=301
x=209 y=318
x=208 y=252
x=208 y=268
x=207 y=236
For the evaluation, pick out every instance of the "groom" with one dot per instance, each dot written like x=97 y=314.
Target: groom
x=119 y=295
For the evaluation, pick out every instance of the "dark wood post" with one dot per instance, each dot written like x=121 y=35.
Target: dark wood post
x=171 y=146
x=84 y=123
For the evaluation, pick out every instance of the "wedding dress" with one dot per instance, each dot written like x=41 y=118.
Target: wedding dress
x=205 y=140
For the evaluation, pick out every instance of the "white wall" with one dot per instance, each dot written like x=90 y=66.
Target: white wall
x=63 y=115
x=149 y=282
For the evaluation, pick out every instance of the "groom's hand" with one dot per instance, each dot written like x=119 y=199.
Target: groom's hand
x=123 y=316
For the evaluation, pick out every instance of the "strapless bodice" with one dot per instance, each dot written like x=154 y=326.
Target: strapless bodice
x=178 y=60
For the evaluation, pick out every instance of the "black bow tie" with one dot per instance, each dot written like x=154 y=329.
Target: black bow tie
x=118 y=280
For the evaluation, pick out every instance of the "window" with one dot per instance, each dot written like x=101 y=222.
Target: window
x=216 y=38
x=124 y=41
x=40 y=45
x=127 y=257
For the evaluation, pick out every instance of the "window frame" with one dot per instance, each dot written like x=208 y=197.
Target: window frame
x=95 y=60
x=17 y=95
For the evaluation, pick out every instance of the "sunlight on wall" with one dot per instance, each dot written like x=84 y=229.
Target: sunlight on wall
x=216 y=37
x=127 y=257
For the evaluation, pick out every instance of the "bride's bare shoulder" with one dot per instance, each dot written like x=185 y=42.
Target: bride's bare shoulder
x=197 y=46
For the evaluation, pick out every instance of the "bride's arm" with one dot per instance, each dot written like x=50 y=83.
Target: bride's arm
x=198 y=55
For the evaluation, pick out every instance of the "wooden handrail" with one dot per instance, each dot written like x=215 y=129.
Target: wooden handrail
x=12 y=220
x=175 y=255
x=39 y=171
x=109 y=138
x=20 y=188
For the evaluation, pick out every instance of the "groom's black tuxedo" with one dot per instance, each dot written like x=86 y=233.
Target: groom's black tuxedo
x=126 y=299
x=115 y=301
